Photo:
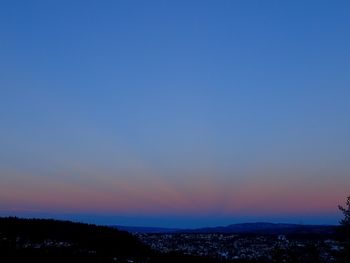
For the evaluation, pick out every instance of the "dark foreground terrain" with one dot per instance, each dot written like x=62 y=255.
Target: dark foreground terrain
x=38 y=240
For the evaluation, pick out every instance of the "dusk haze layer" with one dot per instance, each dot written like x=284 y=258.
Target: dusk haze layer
x=175 y=113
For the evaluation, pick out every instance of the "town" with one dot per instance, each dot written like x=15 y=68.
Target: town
x=269 y=248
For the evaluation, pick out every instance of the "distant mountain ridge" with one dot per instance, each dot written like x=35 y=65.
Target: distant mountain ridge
x=242 y=228
x=267 y=228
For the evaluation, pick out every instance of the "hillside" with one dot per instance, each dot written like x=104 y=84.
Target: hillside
x=59 y=241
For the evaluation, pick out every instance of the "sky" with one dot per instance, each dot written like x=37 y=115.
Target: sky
x=175 y=113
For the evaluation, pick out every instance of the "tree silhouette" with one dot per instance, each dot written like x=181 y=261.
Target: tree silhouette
x=345 y=222
x=345 y=231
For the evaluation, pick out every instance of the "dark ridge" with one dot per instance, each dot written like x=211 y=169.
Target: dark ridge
x=268 y=228
x=54 y=240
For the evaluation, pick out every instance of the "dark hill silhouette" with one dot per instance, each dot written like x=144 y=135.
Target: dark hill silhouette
x=61 y=240
x=268 y=228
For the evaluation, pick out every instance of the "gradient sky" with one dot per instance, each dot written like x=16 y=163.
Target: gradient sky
x=175 y=113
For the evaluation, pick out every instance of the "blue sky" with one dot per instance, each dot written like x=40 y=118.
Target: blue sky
x=175 y=109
